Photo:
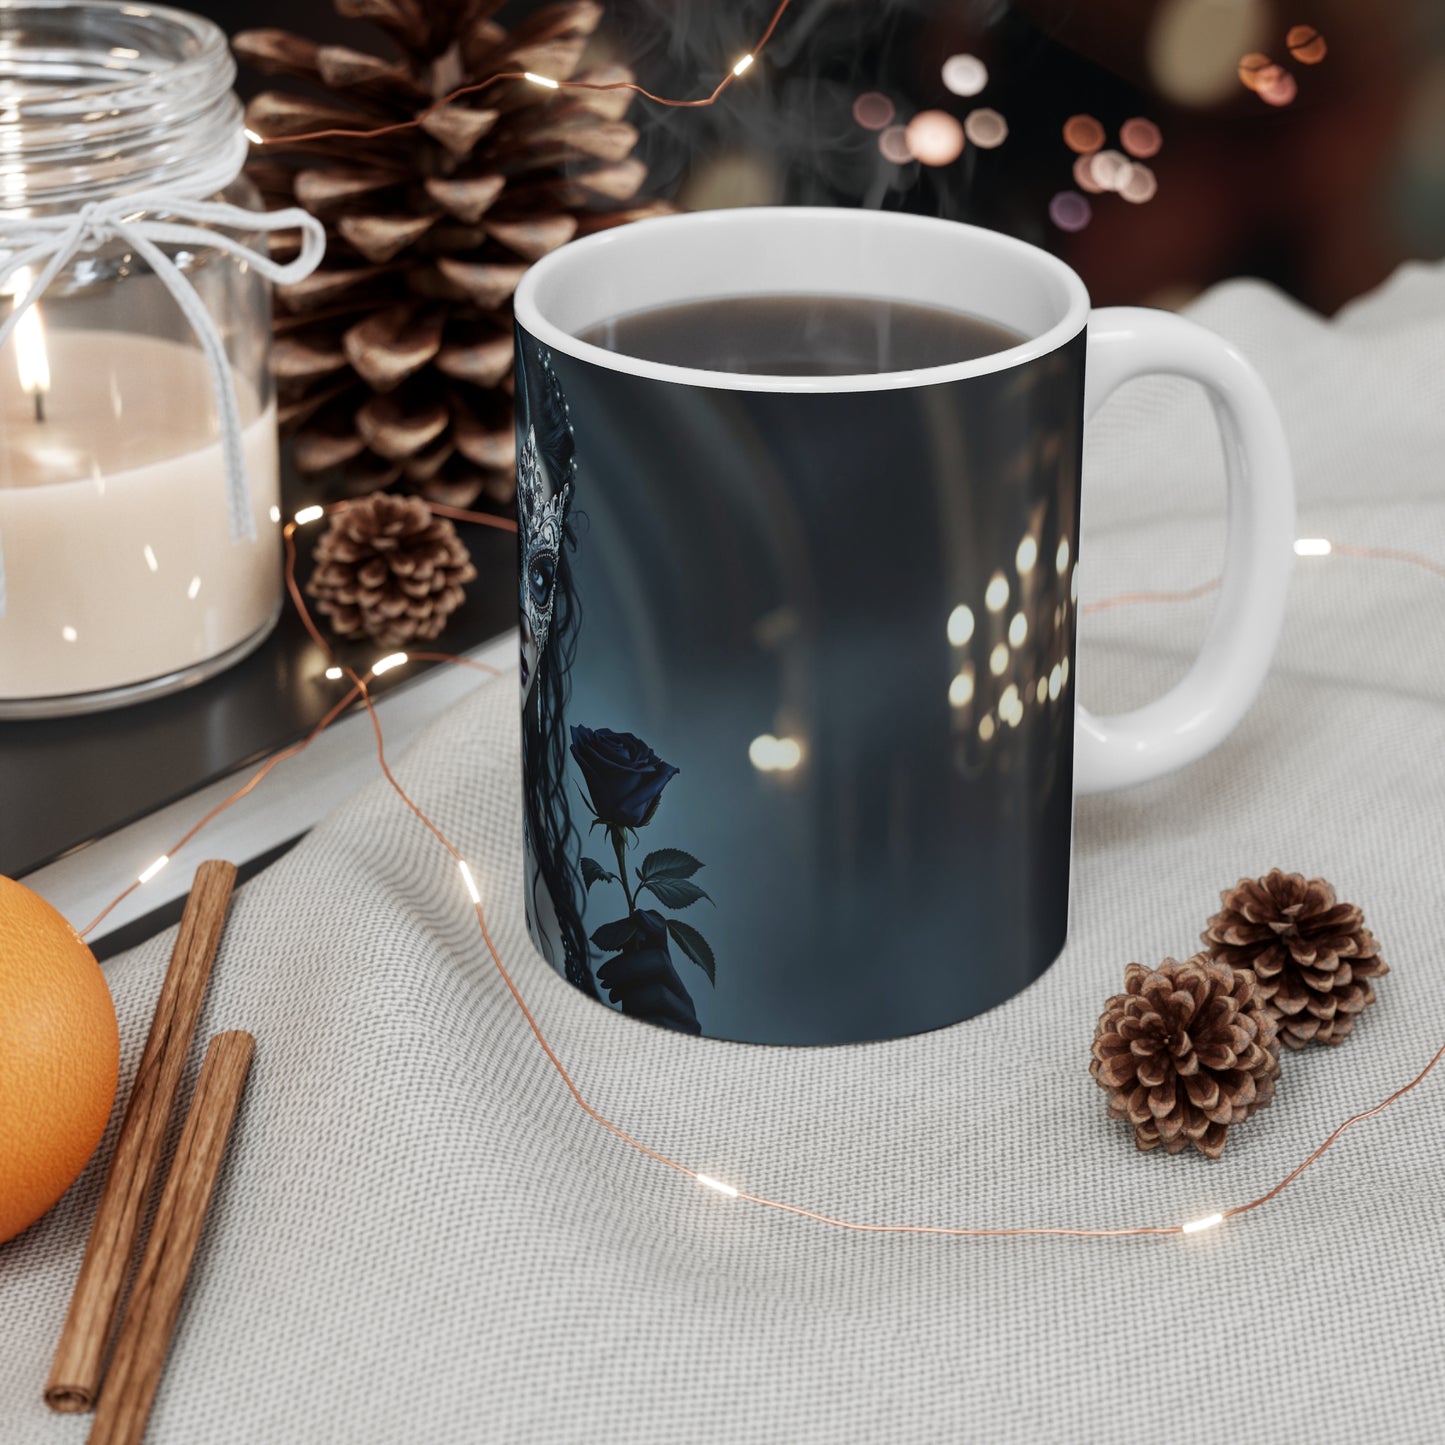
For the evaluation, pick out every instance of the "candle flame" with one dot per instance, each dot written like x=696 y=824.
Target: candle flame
x=31 y=359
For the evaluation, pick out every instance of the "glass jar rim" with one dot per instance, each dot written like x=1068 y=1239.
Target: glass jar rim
x=103 y=97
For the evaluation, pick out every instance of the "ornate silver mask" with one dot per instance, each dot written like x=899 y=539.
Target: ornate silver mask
x=540 y=524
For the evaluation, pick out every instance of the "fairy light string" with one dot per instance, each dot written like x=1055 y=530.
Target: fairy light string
x=360 y=691
x=545 y=82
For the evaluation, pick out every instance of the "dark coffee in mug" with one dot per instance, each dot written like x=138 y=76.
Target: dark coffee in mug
x=802 y=335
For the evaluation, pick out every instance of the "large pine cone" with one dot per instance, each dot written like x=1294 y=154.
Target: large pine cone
x=388 y=570
x=393 y=360
x=1185 y=1051
x=1313 y=957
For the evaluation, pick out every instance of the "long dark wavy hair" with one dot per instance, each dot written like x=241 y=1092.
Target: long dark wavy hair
x=551 y=835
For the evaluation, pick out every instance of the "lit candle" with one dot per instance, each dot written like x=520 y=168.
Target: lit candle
x=31 y=359
x=113 y=514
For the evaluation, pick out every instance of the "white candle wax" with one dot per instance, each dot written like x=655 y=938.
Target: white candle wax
x=114 y=522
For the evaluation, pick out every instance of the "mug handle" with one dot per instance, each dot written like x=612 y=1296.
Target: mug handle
x=1203 y=708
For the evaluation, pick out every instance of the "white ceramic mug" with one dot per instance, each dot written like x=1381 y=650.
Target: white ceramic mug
x=822 y=627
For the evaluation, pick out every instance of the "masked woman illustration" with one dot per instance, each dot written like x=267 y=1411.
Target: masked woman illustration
x=550 y=616
x=646 y=986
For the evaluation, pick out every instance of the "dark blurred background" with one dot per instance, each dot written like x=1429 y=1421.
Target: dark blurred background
x=1319 y=165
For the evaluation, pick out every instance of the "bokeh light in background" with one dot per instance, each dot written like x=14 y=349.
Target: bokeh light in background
x=1084 y=134
x=1193 y=46
x=1321 y=183
x=1070 y=211
x=1084 y=175
x=934 y=137
x=873 y=111
x=1139 y=185
x=964 y=74
x=1276 y=86
x=1141 y=138
x=985 y=128
x=1251 y=67
x=893 y=142
x=1306 y=44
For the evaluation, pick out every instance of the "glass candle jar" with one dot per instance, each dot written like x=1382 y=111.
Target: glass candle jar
x=130 y=567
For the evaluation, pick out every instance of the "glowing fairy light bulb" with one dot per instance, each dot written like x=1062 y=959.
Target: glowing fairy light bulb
x=256 y=140
x=708 y=1182
x=385 y=664
x=1196 y=1226
x=471 y=882
x=148 y=873
x=543 y=80
x=742 y=64
x=1313 y=547
x=309 y=514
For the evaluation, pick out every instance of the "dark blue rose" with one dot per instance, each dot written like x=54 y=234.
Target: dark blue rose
x=641 y=980
x=624 y=777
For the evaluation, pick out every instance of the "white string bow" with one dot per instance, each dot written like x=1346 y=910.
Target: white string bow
x=52 y=242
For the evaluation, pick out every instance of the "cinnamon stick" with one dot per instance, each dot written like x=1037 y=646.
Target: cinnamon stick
x=155 y=1298
x=75 y=1372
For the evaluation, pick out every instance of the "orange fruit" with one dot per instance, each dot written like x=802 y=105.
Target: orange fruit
x=59 y=1056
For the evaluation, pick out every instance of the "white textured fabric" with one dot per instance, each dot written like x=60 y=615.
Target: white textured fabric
x=418 y=1236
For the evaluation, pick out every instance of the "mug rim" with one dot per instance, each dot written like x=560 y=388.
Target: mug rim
x=529 y=312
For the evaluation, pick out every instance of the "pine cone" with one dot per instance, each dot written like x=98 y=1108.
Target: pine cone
x=1185 y=1051
x=1312 y=956
x=393 y=361
x=388 y=570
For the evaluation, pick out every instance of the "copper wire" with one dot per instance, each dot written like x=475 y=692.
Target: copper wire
x=712 y=98
x=359 y=689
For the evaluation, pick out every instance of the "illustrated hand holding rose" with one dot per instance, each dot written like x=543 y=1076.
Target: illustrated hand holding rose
x=625 y=780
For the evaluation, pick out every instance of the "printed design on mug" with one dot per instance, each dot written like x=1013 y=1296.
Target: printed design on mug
x=625 y=779
x=549 y=620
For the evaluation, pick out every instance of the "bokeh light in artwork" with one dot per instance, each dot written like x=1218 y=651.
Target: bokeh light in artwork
x=998 y=659
x=965 y=74
x=1026 y=556
x=1278 y=88
x=934 y=137
x=985 y=726
x=995 y=596
x=873 y=110
x=1056 y=682
x=1110 y=169
x=1070 y=211
x=1140 y=138
x=985 y=128
x=1018 y=630
x=1141 y=184
x=1083 y=134
x=893 y=142
x=960 y=625
x=1251 y=67
x=1061 y=557
x=1306 y=44
x=1084 y=175
x=960 y=690
x=1042 y=690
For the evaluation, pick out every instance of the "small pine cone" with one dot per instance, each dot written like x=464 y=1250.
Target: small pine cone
x=387 y=569
x=1185 y=1051
x=1313 y=957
